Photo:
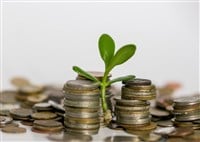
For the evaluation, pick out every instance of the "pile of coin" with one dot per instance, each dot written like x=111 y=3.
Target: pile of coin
x=109 y=95
x=187 y=112
x=132 y=111
x=81 y=107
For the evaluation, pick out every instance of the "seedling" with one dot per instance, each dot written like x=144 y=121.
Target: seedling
x=111 y=60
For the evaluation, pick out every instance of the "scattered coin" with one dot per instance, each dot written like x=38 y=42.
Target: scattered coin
x=20 y=113
x=13 y=129
x=44 y=115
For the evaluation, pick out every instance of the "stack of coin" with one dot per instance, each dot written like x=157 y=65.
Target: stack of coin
x=81 y=107
x=132 y=111
x=109 y=95
x=187 y=112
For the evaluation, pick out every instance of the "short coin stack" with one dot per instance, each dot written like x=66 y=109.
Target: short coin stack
x=132 y=111
x=81 y=107
x=187 y=112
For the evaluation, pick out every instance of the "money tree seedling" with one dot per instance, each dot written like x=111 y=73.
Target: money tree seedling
x=111 y=60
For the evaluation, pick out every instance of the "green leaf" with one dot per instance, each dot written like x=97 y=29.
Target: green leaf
x=84 y=73
x=122 y=55
x=106 y=48
x=123 y=78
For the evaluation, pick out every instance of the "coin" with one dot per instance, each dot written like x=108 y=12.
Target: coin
x=56 y=106
x=37 y=98
x=19 y=81
x=166 y=123
x=9 y=124
x=82 y=120
x=158 y=112
x=8 y=97
x=21 y=112
x=136 y=115
x=82 y=114
x=5 y=120
x=81 y=85
x=94 y=92
x=121 y=102
x=27 y=123
x=121 y=139
x=147 y=127
x=131 y=108
x=128 y=120
x=82 y=104
x=47 y=123
x=182 y=132
x=82 y=126
x=164 y=130
x=82 y=97
x=151 y=138
x=31 y=89
x=13 y=129
x=43 y=115
x=187 y=100
x=42 y=106
x=137 y=81
x=82 y=131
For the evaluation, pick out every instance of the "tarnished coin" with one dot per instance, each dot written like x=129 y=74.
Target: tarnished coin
x=21 y=112
x=166 y=123
x=19 y=81
x=44 y=115
x=182 y=132
x=8 y=97
x=82 y=120
x=95 y=92
x=47 y=123
x=27 y=123
x=31 y=89
x=12 y=129
x=121 y=139
x=137 y=81
x=9 y=124
x=82 y=126
x=128 y=120
x=81 y=85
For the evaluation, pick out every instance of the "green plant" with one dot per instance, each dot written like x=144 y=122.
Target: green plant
x=111 y=60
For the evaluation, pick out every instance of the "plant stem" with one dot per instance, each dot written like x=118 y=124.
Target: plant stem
x=103 y=97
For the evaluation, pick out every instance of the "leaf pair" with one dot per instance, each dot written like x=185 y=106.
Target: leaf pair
x=107 y=50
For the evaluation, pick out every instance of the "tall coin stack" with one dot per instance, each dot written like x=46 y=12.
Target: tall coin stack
x=132 y=111
x=81 y=107
x=187 y=112
x=99 y=75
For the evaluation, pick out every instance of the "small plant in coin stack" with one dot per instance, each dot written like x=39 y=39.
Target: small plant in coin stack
x=111 y=60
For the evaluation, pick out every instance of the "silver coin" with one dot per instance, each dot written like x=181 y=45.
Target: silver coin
x=128 y=120
x=164 y=131
x=81 y=126
x=85 y=132
x=187 y=100
x=127 y=91
x=82 y=114
x=123 y=102
x=133 y=114
x=82 y=97
x=137 y=81
x=81 y=85
x=130 y=108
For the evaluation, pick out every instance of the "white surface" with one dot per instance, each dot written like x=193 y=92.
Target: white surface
x=42 y=41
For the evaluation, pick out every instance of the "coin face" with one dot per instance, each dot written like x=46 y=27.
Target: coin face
x=13 y=129
x=43 y=115
x=19 y=81
x=21 y=112
x=47 y=123
x=158 y=112
x=137 y=81
x=187 y=100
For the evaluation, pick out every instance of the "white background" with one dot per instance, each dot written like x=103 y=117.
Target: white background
x=43 y=40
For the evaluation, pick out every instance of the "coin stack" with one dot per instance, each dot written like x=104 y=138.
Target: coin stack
x=81 y=107
x=109 y=95
x=187 y=112
x=132 y=111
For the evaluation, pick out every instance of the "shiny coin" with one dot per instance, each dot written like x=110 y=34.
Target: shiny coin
x=137 y=81
x=8 y=97
x=182 y=132
x=44 y=115
x=82 y=126
x=187 y=100
x=158 y=112
x=164 y=131
x=21 y=112
x=82 y=120
x=82 y=97
x=121 y=139
x=20 y=81
x=42 y=106
x=12 y=129
x=136 y=115
x=81 y=85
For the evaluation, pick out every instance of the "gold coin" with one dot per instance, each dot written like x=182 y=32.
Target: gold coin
x=150 y=126
x=37 y=98
x=13 y=129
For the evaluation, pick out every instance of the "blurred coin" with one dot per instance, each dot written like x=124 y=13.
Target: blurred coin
x=43 y=115
x=82 y=131
x=31 y=89
x=81 y=85
x=82 y=120
x=121 y=139
x=182 y=132
x=8 y=97
x=128 y=120
x=19 y=81
x=27 y=123
x=21 y=112
x=47 y=123
x=131 y=108
x=12 y=129
x=166 y=123
x=9 y=124
x=82 y=104
x=42 y=106
x=148 y=127
x=5 y=120
x=158 y=112
x=151 y=138
x=56 y=106
x=137 y=81
x=62 y=137
x=121 y=102
x=187 y=100
x=82 y=126
x=37 y=98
